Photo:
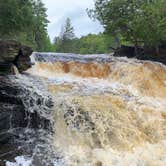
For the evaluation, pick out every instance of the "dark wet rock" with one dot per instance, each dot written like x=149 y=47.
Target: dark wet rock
x=142 y=53
x=9 y=50
x=5 y=137
x=98 y=163
x=96 y=140
x=127 y=51
x=22 y=108
x=78 y=119
x=19 y=106
x=68 y=57
x=8 y=151
x=14 y=53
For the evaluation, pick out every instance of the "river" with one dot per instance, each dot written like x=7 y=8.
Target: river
x=107 y=111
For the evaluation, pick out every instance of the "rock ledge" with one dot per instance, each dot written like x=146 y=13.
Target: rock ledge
x=13 y=53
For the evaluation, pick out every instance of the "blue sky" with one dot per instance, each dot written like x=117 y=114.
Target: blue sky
x=59 y=10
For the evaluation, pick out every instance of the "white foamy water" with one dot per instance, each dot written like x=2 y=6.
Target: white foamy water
x=108 y=111
x=20 y=161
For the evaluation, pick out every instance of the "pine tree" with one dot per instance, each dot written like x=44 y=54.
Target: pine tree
x=66 y=37
x=67 y=32
x=137 y=21
x=25 y=21
x=39 y=25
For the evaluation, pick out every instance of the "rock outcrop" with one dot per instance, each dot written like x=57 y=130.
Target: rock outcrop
x=22 y=108
x=25 y=107
x=142 y=53
x=14 y=53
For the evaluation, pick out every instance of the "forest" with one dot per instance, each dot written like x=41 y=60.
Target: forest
x=137 y=23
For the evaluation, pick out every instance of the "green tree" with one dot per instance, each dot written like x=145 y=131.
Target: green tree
x=15 y=16
x=152 y=25
x=64 y=42
x=67 y=32
x=40 y=23
x=25 y=21
x=89 y=44
x=136 y=21
x=93 y=44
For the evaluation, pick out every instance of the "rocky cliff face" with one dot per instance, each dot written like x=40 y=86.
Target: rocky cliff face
x=13 y=53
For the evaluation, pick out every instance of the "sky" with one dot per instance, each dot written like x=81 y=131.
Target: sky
x=59 y=10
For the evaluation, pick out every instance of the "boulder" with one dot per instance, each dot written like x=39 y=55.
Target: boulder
x=143 y=53
x=128 y=51
x=14 y=53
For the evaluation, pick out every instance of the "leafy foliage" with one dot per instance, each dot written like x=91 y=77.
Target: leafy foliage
x=64 y=42
x=25 y=21
x=90 y=44
x=137 y=21
x=15 y=16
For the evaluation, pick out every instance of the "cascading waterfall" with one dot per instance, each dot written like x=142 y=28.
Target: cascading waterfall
x=107 y=111
x=28 y=107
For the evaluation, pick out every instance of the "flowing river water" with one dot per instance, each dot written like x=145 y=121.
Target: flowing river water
x=107 y=111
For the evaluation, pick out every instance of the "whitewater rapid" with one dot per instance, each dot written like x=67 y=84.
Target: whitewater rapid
x=107 y=110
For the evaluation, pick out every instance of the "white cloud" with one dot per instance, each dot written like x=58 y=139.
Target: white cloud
x=59 y=10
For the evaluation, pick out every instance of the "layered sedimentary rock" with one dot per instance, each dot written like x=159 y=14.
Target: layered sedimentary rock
x=13 y=53
x=24 y=111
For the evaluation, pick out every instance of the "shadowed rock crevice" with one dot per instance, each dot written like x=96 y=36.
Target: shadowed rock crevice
x=14 y=53
x=142 y=53
x=22 y=108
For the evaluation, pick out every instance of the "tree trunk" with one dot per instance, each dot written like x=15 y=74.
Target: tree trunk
x=157 y=51
x=136 y=48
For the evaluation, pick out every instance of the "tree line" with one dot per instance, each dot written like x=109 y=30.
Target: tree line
x=90 y=44
x=25 y=21
x=127 y=22
x=138 y=22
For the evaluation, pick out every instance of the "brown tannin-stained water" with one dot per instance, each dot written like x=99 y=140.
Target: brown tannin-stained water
x=107 y=111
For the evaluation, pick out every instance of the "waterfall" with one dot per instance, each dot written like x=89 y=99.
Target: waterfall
x=105 y=110
x=26 y=107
